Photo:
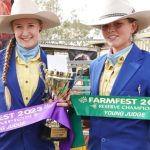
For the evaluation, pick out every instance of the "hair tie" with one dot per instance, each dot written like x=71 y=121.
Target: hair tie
x=5 y=83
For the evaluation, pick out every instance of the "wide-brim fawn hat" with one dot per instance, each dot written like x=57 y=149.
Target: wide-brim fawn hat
x=27 y=9
x=113 y=10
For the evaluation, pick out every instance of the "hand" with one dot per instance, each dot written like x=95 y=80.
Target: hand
x=65 y=103
x=62 y=104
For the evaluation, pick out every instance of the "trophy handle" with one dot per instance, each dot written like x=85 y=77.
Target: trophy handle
x=42 y=73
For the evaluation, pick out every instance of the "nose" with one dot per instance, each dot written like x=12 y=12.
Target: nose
x=24 y=32
x=111 y=28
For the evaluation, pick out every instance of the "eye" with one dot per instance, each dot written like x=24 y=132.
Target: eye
x=18 y=26
x=31 y=25
x=104 y=27
x=118 y=24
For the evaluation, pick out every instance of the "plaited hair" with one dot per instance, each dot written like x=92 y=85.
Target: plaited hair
x=8 y=53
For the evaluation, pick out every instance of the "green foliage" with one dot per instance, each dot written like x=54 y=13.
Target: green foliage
x=69 y=32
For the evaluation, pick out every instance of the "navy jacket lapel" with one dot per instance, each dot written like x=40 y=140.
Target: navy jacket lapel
x=12 y=79
x=130 y=66
x=98 y=68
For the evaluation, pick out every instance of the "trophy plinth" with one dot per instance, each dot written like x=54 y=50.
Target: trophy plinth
x=58 y=87
x=54 y=131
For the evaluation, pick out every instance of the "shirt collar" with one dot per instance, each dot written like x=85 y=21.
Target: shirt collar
x=113 y=58
x=32 y=60
x=121 y=59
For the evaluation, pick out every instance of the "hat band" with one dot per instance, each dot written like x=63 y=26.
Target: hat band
x=112 y=15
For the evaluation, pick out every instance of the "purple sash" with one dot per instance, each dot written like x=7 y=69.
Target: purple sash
x=22 y=117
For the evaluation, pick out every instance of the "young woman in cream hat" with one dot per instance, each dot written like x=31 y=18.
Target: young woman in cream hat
x=19 y=71
x=124 y=71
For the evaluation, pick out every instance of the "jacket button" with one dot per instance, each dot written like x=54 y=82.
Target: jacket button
x=103 y=140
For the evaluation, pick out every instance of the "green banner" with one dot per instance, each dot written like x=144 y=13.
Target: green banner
x=112 y=106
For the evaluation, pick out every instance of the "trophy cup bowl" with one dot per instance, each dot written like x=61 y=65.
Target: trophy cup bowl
x=58 y=85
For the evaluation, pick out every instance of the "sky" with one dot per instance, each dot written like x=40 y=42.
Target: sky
x=82 y=6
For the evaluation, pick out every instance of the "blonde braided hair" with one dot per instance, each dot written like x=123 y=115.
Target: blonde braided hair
x=8 y=53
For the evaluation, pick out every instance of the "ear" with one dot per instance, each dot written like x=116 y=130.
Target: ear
x=41 y=27
x=134 y=27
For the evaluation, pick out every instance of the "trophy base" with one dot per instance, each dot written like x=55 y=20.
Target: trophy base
x=54 y=134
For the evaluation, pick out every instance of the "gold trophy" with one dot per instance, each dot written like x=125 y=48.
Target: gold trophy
x=58 y=83
x=57 y=88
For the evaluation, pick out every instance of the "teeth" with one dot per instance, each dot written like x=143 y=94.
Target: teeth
x=112 y=37
x=26 y=39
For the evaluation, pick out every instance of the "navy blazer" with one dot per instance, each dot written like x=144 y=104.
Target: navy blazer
x=26 y=138
x=122 y=134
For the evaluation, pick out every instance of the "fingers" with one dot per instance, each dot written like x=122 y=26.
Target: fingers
x=50 y=100
x=69 y=103
x=62 y=104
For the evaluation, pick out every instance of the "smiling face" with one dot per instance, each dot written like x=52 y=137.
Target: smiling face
x=118 y=34
x=27 y=31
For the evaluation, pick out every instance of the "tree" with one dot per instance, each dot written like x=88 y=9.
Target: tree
x=69 y=32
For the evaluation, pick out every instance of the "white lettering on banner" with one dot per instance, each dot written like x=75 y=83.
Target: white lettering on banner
x=114 y=113
x=127 y=114
x=135 y=114
x=112 y=100
x=135 y=107
x=6 y=116
x=109 y=106
x=145 y=102
x=29 y=111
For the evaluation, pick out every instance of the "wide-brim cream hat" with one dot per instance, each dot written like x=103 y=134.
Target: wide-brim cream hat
x=113 y=10
x=27 y=9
